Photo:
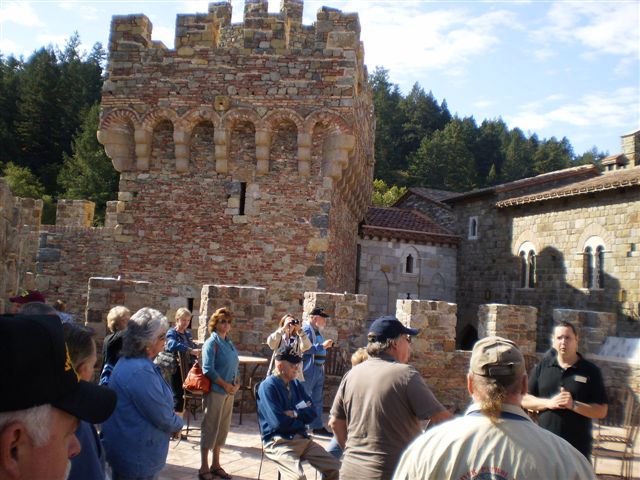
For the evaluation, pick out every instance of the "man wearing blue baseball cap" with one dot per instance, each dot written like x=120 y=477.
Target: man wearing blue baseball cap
x=380 y=404
x=42 y=400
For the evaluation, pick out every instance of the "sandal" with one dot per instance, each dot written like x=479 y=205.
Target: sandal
x=205 y=476
x=219 y=472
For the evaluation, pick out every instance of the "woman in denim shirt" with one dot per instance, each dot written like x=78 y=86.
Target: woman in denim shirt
x=136 y=436
x=180 y=342
x=219 y=363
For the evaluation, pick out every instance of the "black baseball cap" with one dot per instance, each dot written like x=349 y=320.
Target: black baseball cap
x=319 y=311
x=387 y=327
x=37 y=370
x=288 y=354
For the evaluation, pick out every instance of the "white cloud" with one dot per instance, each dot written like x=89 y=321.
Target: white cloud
x=603 y=27
x=613 y=110
x=20 y=13
x=411 y=40
x=46 y=39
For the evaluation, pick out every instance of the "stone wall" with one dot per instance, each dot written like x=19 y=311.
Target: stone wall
x=517 y=323
x=75 y=213
x=383 y=279
x=251 y=316
x=19 y=227
x=489 y=268
x=559 y=230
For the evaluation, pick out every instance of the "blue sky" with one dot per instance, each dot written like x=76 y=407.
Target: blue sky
x=556 y=68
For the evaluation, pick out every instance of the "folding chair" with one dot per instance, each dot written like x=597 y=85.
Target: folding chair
x=624 y=417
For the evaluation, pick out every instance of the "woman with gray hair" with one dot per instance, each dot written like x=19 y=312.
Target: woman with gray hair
x=136 y=436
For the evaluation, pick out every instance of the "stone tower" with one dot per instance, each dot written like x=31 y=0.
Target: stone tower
x=245 y=153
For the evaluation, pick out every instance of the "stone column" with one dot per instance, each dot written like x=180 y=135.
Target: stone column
x=515 y=322
x=250 y=328
x=75 y=213
x=348 y=321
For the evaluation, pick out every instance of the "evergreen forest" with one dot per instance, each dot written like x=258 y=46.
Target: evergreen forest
x=49 y=111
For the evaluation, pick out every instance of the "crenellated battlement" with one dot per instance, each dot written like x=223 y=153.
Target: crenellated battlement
x=260 y=32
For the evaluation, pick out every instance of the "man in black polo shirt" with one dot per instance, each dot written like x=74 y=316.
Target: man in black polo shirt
x=567 y=390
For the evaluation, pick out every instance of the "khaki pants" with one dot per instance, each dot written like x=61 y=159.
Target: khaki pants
x=288 y=454
x=216 y=422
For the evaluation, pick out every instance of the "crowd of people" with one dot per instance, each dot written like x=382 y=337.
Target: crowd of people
x=385 y=421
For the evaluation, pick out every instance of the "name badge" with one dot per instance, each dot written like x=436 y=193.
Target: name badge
x=580 y=378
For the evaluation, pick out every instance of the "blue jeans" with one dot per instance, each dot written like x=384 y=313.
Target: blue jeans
x=334 y=448
x=313 y=384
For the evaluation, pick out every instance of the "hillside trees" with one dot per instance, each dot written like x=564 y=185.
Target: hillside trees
x=44 y=101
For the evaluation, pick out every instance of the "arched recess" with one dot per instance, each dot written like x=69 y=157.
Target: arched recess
x=410 y=261
x=117 y=134
x=378 y=293
x=201 y=147
x=528 y=264
x=161 y=123
x=162 y=156
x=283 y=157
x=242 y=125
x=321 y=125
x=594 y=245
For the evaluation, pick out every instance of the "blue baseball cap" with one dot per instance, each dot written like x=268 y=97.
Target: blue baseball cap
x=387 y=327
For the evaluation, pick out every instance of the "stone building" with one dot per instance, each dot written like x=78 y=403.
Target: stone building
x=563 y=240
x=245 y=156
x=404 y=254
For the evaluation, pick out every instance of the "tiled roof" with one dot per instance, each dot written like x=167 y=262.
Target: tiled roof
x=580 y=171
x=629 y=177
x=403 y=224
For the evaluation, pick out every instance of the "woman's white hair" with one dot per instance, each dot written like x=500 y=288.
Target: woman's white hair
x=142 y=330
x=37 y=421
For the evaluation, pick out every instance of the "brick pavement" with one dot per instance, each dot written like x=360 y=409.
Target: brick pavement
x=241 y=456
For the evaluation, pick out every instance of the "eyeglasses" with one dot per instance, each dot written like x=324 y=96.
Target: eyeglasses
x=223 y=322
x=163 y=336
x=408 y=338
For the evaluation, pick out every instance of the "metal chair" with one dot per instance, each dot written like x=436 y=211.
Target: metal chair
x=624 y=416
x=193 y=400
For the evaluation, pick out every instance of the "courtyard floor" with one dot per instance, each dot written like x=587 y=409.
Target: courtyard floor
x=241 y=456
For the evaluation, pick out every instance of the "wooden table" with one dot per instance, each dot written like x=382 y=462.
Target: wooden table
x=247 y=382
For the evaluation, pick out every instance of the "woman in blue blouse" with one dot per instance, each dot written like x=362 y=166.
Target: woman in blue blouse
x=136 y=436
x=180 y=342
x=219 y=363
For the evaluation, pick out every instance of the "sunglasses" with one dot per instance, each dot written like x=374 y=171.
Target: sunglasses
x=409 y=338
x=295 y=321
x=223 y=322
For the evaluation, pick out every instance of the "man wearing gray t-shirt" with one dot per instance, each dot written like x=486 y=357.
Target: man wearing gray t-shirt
x=380 y=404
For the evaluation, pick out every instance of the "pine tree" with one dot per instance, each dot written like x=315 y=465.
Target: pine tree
x=88 y=173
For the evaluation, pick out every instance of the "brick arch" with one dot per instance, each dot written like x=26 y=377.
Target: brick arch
x=193 y=117
x=118 y=117
x=333 y=119
x=273 y=118
x=241 y=114
x=526 y=236
x=595 y=230
x=155 y=116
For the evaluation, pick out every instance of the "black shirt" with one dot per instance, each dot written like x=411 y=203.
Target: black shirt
x=584 y=381
x=111 y=347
